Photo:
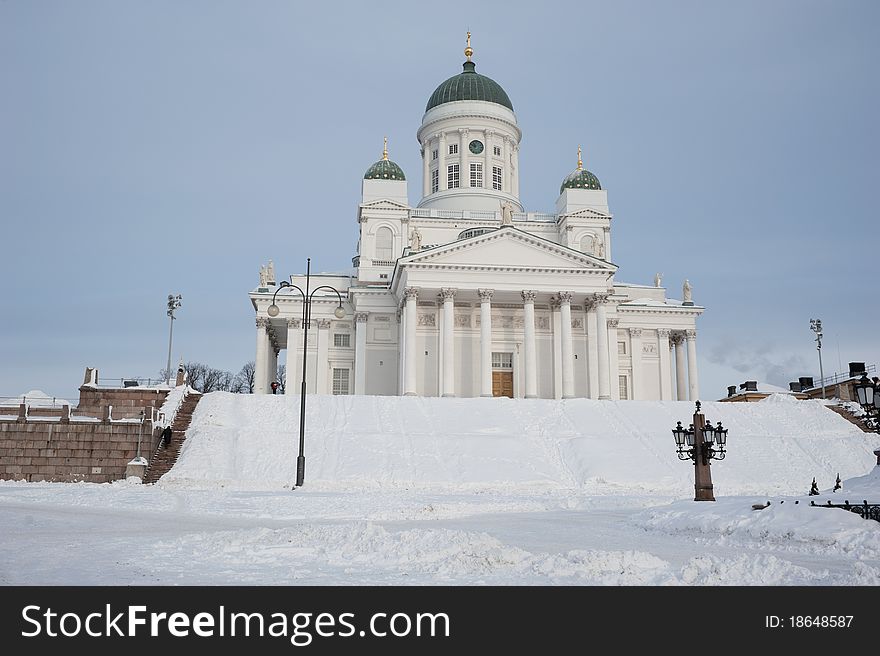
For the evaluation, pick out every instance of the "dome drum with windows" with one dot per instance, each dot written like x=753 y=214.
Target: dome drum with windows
x=384 y=169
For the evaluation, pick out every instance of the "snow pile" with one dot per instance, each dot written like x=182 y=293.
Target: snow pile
x=357 y=442
x=412 y=556
x=782 y=525
x=171 y=404
x=37 y=399
x=367 y=553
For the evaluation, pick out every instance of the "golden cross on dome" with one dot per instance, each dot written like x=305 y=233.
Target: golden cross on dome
x=385 y=150
x=580 y=163
x=468 y=51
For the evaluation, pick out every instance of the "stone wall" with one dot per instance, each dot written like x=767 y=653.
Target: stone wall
x=127 y=402
x=95 y=452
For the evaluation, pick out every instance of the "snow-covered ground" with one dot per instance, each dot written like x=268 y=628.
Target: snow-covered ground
x=462 y=491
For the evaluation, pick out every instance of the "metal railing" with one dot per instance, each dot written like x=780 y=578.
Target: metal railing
x=427 y=213
x=110 y=381
x=865 y=510
x=833 y=379
x=35 y=401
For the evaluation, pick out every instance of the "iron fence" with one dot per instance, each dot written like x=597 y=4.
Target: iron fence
x=865 y=510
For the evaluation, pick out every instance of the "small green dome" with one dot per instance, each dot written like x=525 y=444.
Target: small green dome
x=580 y=179
x=469 y=85
x=384 y=169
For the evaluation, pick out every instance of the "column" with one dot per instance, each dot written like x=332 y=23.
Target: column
x=613 y=359
x=294 y=363
x=448 y=338
x=635 y=341
x=485 y=341
x=401 y=347
x=261 y=361
x=505 y=163
x=426 y=168
x=360 y=352
x=529 y=345
x=680 y=390
x=441 y=159
x=410 y=320
x=592 y=363
x=487 y=159
x=514 y=170
x=567 y=353
x=665 y=373
x=602 y=347
x=464 y=172
x=556 y=336
x=322 y=363
x=273 y=364
x=693 y=382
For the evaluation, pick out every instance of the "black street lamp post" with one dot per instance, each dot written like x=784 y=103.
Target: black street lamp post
x=273 y=311
x=868 y=396
x=701 y=439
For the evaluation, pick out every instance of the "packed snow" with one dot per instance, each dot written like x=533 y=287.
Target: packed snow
x=776 y=446
x=413 y=491
x=37 y=399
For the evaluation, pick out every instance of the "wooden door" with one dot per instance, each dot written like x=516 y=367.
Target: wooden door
x=502 y=383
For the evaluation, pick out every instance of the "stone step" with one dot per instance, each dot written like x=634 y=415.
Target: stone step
x=165 y=457
x=850 y=417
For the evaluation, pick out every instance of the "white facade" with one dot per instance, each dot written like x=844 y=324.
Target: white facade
x=468 y=295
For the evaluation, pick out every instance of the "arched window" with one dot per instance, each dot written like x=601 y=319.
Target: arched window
x=588 y=244
x=384 y=244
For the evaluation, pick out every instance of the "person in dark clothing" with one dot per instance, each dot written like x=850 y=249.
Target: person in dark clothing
x=166 y=436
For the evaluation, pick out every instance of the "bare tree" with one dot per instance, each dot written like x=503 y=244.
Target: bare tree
x=281 y=377
x=244 y=379
x=206 y=379
x=195 y=375
x=216 y=380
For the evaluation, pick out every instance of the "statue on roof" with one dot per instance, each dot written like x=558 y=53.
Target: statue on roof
x=506 y=213
x=687 y=293
x=270 y=273
x=264 y=276
x=415 y=243
x=658 y=278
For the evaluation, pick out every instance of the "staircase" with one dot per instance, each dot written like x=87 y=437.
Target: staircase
x=850 y=417
x=165 y=457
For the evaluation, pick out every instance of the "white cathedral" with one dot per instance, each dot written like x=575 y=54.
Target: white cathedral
x=467 y=294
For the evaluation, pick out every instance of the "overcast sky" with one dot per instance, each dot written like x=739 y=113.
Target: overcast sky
x=149 y=148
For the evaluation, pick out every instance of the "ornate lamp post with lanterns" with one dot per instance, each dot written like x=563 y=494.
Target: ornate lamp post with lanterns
x=273 y=311
x=701 y=442
x=868 y=396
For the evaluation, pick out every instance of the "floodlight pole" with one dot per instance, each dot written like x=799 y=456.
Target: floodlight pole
x=816 y=327
x=173 y=304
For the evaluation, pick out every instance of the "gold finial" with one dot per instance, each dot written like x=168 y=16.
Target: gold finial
x=385 y=150
x=468 y=51
x=580 y=163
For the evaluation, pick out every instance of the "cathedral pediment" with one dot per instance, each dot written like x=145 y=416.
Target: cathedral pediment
x=384 y=204
x=508 y=248
x=588 y=213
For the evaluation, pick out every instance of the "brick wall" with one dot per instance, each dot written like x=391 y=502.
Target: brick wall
x=95 y=452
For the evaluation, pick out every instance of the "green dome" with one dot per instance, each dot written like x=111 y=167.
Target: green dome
x=384 y=169
x=469 y=85
x=580 y=179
